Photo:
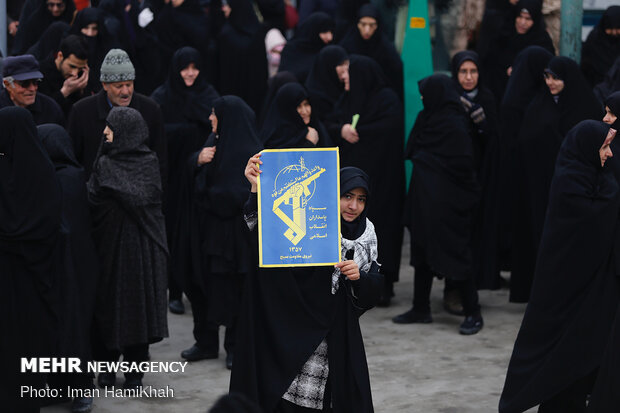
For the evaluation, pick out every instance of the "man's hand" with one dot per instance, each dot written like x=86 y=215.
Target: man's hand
x=252 y=170
x=74 y=83
x=349 y=134
x=206 y=155
x=349 y=269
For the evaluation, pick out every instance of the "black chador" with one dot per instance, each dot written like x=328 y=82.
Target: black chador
x=600 y=49
x=79 y=264
x=129 y=233
x=218 y=240
x=575 y=292
x=274 y=84
x=378 y=47
x=284 y=126
x=380 y=130
x=242 y=56
x=524 y=83
x=298 y=55
x=30 y=216
x=323 y=84
x=289 y=313
x=547 y=120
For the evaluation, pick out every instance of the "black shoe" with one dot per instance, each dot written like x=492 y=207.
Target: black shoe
x=195 y=353
x=229 y=360
x=106 y=379
x=412 y=316
x=176 y=307
x=471 y=325
x=132 y=383
x=82 y=405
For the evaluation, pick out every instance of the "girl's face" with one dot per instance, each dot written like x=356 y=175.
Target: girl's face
x=189 y=74
x=609 y=118
x=213 y=120
x=343 y=74
x=326 y=37
x=523 y=22
x=352 y=204
x=555 y=84
x=468 y=75
x=305 y=110
x=605 y=151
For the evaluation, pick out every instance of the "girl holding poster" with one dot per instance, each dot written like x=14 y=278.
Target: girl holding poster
x=303 y=347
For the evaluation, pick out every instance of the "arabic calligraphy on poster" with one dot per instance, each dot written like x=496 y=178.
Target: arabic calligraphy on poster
x=299 y=207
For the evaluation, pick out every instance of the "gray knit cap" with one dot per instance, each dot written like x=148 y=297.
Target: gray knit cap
x=117 y=67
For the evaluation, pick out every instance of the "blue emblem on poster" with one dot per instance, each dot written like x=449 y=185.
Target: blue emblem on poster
x=299 y=207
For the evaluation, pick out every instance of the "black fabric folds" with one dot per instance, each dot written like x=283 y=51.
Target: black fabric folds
x=274 y=84
x=298 y=55
x=30 y=214
x=600 y=50
x=284 y=127
x=380 y=143
x=322 y=83
x=569 y=292
x=31 y=27
x=378 y=47
x=79 y=268
x=443 y=191
x=545 y=125
x=129 y=233
x=613 y=103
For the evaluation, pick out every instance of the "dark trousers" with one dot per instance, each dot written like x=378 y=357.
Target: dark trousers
x=287 y=407
x=423 y=283
x=206 y=333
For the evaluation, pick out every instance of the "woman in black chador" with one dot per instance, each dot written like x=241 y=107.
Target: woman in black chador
x=242 y=56
x=479 y=103
x=575 y=292
x=378 y=135
x=441 y=203
x=303 y=349
x=565 y=100
x=326 y=81
x=186 y=100
x=525 y=28
x=602 y=46
x=368 y=39
x=79 y=268
x=274 y=84
x=291 y=122
x=219 y=244
x=30 y=214
x=124 y=191
x=310 y=37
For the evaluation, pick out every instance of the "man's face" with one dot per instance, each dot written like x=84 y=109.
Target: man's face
x=70 y=66
x=22 y=92
x=119 y=93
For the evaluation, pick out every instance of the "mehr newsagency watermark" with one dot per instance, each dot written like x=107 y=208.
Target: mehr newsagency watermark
x=74 y=365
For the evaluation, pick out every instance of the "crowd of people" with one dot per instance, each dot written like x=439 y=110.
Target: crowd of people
x=129 y=156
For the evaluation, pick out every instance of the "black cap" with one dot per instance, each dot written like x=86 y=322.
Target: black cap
x=22 y=67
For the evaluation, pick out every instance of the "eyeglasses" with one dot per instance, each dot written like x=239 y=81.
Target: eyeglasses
x=51 y=5
x=26 y=83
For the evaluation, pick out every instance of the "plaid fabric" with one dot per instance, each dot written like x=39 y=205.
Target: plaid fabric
x=251 y=220
x=366 y=252
x=308 y=387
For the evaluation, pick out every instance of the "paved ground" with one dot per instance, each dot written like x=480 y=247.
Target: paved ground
x=413 y=368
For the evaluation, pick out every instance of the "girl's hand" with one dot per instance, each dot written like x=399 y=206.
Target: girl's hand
x=349 y=269
x=252 y=170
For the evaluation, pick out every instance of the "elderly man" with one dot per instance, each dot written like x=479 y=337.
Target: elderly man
x=21 y=78
x=87 y=118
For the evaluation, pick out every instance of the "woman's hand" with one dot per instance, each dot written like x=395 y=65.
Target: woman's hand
x=313 y=135
x=349 y=269
x=206 y=155
x=252 y=170
x=349 y=134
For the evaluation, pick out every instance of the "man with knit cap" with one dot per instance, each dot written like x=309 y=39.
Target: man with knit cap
x=87 y=118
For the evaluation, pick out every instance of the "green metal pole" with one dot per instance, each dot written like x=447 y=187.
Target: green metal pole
x=417 y=61
x=570 y=32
